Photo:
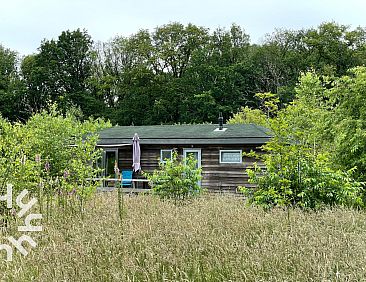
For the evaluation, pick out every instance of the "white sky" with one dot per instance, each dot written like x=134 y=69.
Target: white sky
x=25 y=23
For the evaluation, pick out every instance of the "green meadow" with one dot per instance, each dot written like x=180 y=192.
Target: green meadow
x=212 y=238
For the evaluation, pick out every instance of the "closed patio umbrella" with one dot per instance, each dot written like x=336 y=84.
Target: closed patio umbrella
x=136 y=153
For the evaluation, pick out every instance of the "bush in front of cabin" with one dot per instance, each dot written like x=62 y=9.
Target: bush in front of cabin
x=53 y=156
x=299 y=159
x=176 y=179
x=296 y=177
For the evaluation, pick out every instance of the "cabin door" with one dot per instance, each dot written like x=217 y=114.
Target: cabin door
x=109 y=160
x=196 y=154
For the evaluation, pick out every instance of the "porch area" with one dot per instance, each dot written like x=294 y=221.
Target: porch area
x=118 y=171
x=138 y=185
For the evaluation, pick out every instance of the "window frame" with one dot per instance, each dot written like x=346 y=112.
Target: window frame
x=231 y=151
x=161 y=155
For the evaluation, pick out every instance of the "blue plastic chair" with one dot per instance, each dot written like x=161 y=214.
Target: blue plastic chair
x=126 y=178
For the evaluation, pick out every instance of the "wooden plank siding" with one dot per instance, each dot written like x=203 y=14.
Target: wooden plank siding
x=216 y=176
x=223 y=177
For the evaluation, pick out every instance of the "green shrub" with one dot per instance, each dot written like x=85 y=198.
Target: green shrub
x=176 y=179
x=52 y=156
x=303 y=180
x=301 y=169
x=297 y=172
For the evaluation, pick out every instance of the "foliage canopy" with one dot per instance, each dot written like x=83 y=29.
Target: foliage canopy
x=316 y=156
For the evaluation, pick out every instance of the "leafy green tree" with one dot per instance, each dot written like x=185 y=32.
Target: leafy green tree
x=219 y=77
x=248 y=115
x=60 y=73
x=297 y=174
x=301 y=166
x=11 y=88
x=200 y=108
x=178 y=73
x=142 y=75
x=347 y=139
x=176 y=179
x=277 y=62
x=331 y=48
x=330 y=114
x=120 y=64
x=174 y=74
x=52 y=156
x=174 y=44
x=268 y=108
x=36 y=98
x=268 y=103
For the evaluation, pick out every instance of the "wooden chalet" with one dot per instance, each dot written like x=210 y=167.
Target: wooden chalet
x=218 y=149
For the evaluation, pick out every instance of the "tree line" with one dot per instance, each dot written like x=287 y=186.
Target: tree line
x=174 y=74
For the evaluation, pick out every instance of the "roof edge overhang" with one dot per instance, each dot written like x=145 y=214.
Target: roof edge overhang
x=114 y=142
x=113 y=145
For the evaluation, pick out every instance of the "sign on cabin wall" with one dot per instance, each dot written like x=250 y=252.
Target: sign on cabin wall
x=230 y=156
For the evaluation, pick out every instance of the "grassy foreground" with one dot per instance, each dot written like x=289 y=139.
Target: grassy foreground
x=210 y=239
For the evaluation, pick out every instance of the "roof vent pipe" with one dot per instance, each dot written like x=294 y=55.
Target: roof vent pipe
x=221 y=122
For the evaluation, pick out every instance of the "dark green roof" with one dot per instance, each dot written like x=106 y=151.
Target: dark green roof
x=185 y=134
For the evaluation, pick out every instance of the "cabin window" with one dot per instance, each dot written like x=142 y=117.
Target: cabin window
x=165 y=155
x=230 y=156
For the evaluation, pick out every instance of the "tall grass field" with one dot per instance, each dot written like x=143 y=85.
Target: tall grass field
x=214 y=238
